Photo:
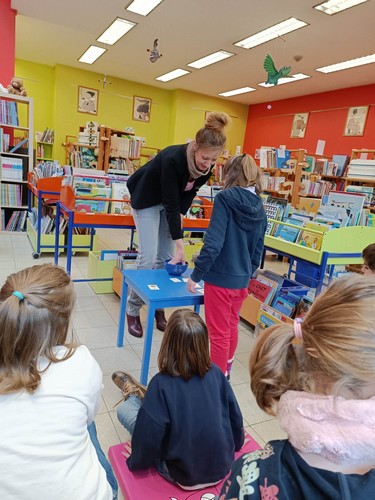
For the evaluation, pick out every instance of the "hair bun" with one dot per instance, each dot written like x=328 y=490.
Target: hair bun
x=217 y=120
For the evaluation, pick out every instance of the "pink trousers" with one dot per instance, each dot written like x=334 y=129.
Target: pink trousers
x=222 y=307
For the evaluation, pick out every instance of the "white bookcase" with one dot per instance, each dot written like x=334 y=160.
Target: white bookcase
x=16 y=159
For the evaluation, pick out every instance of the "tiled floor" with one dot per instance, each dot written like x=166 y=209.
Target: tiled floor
x=95 y=324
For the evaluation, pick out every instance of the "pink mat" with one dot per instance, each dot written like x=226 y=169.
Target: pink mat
x=148 y=484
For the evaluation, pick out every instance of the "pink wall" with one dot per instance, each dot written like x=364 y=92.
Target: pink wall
x=7 y=41
x=328 y=112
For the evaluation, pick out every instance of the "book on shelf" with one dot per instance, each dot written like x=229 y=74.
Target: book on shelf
x=289 y=233
x=361 y=169
x=368 y=191
x=93 y=206
x=119 y=191
x=267 y=316
x=310 y=240
x=11 y=168
x=352 y=202
x=342 y=162
x=258 y=289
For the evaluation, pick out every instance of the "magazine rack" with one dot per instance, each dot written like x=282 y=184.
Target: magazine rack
x=65 y=207
x=339 y=247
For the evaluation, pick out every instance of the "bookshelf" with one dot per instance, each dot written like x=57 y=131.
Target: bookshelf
x=16 y=158
x=44 y=145
x=360 y=177
x=110 y=150
x=120 y=145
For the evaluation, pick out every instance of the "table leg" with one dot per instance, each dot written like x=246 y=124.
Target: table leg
x=121 y=321
x=147 y=344
x=197 y=308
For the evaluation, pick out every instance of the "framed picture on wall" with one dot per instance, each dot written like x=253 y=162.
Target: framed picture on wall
x=141 y=109
x=88 y=100
x=299 y=125
x=356 y=120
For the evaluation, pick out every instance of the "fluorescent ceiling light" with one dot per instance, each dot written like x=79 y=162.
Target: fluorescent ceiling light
x=334 y=6
x=176 y=73
x=91 y=54
x=243 y=90
x=264 y=36
x=212 y=58
x=118 y=29
x=143 y=7
x=289 y=79
x=352 y=63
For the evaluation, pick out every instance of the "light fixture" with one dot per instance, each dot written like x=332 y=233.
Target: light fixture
x=91 y=54
x=118 y=29
x=334 y=6
x=352 y=63
x=210 y=59
x=264 y=36
x=243 y=90
x=176 y=73
x=143 y=7
x=289 y=79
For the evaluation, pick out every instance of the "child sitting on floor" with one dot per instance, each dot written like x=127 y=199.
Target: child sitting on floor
x=50 y=391
x=187 y=423
x=318 y=376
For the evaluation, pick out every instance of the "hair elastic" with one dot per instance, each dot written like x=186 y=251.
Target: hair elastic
x=18 y=295
x=297 y=328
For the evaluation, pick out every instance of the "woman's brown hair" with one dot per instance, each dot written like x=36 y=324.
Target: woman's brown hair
x=35 y=309
x=184 y=350
x=241 y=170
x=337 y=351
x=212 y=135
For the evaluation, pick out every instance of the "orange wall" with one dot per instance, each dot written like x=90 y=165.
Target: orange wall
x=328 y=112
x=7 y=41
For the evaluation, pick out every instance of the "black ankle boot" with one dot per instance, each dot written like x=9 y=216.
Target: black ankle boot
x=160 y=319
x=134 y=326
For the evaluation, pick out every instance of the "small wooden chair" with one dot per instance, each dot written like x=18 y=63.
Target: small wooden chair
x=147 y=484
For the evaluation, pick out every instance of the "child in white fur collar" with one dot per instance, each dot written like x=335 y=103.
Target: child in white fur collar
x=318 y=377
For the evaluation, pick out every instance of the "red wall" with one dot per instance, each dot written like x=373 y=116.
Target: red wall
x=328 y=112
x=7 y=41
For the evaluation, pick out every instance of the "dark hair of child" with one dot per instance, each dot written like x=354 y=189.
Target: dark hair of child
x=184 y=350
x=368 y=255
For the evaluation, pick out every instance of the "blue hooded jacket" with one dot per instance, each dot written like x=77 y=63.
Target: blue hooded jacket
x=234 y=240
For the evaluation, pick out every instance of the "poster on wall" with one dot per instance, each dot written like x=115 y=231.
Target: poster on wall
x=88 y=100
x=141 y=108
x=355 y=121
x=299 y=125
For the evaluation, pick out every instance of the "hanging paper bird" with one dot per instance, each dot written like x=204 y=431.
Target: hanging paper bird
x=154 y=53
x=273 y=74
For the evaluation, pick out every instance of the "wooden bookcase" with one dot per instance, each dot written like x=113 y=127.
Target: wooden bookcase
x=16 y=158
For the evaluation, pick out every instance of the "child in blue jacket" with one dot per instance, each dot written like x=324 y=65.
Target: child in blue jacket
x=231 y=253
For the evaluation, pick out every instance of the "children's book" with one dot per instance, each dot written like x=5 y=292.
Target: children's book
x=93 y=206
x=289 y=233
x=259 y=290
x=352 y=202
x=310 y=239
x=120 y=192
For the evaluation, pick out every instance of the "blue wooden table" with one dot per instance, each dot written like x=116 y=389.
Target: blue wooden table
x=169 y=293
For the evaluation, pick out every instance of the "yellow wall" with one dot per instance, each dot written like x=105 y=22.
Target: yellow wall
x=175 y=115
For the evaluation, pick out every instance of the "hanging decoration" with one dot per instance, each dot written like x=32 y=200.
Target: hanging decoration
x=154 y=52
x=273 y=73
x=105 y=82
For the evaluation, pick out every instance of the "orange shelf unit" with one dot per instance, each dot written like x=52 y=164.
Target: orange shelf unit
x=47 y=191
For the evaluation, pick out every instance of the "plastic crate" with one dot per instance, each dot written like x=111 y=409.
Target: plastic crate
x=307 y=273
